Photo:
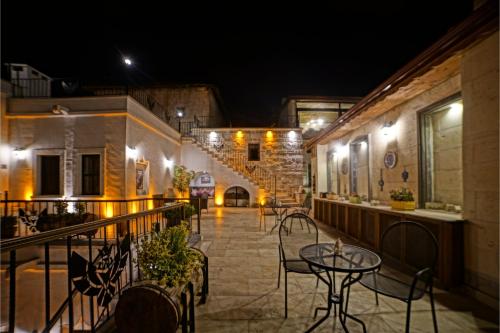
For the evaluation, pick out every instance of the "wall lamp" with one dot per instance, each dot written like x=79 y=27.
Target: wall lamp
x=20 y=153
x=132 y=153
x=386 y=128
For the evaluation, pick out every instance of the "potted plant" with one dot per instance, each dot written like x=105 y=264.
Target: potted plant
x=182 y=178
x=402 y=199
x=355 y=198
x=8 y=226
x=167 y=259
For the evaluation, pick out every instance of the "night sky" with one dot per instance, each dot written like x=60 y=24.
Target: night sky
x=255 y=54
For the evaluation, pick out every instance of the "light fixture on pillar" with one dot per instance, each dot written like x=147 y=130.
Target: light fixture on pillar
x=132 y=153
x=20 y=153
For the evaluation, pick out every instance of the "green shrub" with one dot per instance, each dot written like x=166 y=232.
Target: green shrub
x=166 y=257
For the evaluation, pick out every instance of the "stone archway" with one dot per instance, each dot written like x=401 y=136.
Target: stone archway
x=236 y=196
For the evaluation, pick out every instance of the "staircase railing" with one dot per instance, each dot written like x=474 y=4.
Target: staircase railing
x=235 y=160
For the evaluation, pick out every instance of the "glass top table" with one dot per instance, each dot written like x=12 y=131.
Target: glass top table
x=352 y=260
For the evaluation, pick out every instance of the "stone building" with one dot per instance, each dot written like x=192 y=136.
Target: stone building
x=432 y=127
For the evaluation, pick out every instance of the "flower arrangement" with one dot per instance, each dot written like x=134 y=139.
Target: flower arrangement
x=167 y=258
x=402 y=194
x=402 y=199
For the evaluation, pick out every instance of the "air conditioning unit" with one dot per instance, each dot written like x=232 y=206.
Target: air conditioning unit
x=59 y=109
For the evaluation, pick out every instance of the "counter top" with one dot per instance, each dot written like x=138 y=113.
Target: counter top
x=426 y=213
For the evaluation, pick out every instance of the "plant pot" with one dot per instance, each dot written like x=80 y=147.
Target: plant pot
x=403 y=205
x=355 y=200
x=8 y=227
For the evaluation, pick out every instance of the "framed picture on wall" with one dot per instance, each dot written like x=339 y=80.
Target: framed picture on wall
x=141 y=178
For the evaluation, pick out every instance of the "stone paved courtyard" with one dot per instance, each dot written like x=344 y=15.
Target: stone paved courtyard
x=244 y=296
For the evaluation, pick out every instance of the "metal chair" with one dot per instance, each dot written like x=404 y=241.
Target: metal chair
x=267 y=209
x=422 y=260
x=291 y=241
x=305 y=207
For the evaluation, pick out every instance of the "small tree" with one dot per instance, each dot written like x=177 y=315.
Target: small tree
x=182 y=178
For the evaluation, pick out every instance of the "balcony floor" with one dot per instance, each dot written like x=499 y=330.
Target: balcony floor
x=244 y=295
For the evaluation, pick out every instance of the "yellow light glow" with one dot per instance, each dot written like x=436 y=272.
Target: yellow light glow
x=110 y=231
x=239 y=134
x=28 y=193
x=150 y=204
x=269 y=135
x=218 y=214
x=133 y=208
x=262 y=202
x=109 y=211
x=219 y=200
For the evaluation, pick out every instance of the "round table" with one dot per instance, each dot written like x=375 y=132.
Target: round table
x=353 y=260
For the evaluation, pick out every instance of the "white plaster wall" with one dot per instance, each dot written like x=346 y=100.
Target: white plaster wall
x=69 y=134
x=156 y=148
x=321 y=177
x=198 y=160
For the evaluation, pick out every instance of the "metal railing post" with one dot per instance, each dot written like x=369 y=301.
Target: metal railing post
x=12 y=291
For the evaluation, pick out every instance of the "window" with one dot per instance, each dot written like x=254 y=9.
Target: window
x=254 y=152
x=91 y=165
x=49 y=175
x=441 y=155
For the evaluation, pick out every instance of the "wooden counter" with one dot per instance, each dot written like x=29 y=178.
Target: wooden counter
x=366 y=223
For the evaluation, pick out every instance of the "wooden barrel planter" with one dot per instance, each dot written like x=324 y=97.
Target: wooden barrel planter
x=148 y=307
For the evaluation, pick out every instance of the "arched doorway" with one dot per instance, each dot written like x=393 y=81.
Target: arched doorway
x=236 y=196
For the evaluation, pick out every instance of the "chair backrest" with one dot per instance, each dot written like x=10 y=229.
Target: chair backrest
x=296 y=231
x=412 y=241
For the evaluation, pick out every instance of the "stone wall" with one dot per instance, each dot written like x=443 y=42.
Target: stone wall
x=194 y=158
x=281 y=153
x=196 y=100
x=403 y=139
x=480 y=91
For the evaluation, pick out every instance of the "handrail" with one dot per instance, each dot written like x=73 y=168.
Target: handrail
x=47 y=236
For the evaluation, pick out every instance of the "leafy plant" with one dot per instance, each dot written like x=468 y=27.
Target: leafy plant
x=61 y=207
x=182 y=177
x=402 y=194
x=166 y=257
x=189 y=210
x=80 y=208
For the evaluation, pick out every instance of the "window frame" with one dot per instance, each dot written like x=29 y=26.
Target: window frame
x=423 y=186
x=92 y=175
x=77 y=175
x=37 y=171
x=258 y=152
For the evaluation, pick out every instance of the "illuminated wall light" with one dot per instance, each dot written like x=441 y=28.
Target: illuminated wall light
x=168 y=163
x=363 y=144
x=456 y=110
x=20 y=153
x=219 y=200
x=342 y=150
x=28 y=193
x=386 y=129
x=109 y=211
x=132 y=153
x=212 y=136
x=292 y=135
x=239 y=135
x=269 y=135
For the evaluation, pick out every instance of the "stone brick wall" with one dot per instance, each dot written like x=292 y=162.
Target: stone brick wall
x=403 y=140
x=480 y=91
x=281 y=154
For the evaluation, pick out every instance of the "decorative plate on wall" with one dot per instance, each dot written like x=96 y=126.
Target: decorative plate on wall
x=390 y=159
x=344 y=168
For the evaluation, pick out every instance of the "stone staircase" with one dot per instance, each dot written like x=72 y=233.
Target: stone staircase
x=237 y=162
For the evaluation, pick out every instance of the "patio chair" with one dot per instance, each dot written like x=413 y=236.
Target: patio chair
x=305 y=207
x=421 y=259
x=289 y=246
x=267 y=209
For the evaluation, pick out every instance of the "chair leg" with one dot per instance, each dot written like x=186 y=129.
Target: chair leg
x=434 y=320
x=279 y=267
x=375 y=284
x=286 y=294
x=260 y=222
x=408 y=314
